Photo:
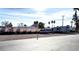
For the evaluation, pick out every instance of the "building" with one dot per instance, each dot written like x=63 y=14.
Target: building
x=26 y=29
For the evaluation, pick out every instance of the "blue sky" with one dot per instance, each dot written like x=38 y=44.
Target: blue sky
x=28 y=15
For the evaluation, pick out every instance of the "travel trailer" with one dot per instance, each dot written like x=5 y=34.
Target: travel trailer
x=63 y=29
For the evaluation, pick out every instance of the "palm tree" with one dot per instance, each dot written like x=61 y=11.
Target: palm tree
x=49 y=24
x=25 y=25
x=75 y=18
x=36 y=24
x=53 y=22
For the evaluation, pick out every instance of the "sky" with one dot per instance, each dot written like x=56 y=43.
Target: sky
x=29 y=15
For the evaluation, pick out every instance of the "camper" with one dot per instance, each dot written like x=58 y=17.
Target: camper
x=62 y=29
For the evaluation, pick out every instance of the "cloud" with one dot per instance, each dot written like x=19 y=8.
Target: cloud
x=39 y=9
x=40 y=15
x=66 y=13
x=17 y=10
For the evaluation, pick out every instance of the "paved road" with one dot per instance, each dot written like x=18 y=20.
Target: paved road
x=25 y=36
x=57 y=43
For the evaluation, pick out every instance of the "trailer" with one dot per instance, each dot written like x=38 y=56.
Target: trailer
x=63 y=29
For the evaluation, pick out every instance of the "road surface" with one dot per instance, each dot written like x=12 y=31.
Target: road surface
x=57 y=43
x=26 y=36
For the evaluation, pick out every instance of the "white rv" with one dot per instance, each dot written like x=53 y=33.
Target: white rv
x=62 y=29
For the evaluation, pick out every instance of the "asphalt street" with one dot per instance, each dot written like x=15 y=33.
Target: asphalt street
x=26 y=36
x=55 y=43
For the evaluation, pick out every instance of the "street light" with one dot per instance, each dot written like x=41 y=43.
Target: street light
x=63 y=20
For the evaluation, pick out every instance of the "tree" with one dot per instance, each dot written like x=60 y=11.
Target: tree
x=41 y=25
x=22 y=25
x=7 y=25
x=53 y=22
x=75 y=18
x=35 y=23
x=48 y=22
x=10 y=25
x=4 y=23
x=25 y=25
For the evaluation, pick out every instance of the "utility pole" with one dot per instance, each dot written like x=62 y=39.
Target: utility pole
x=63 y=20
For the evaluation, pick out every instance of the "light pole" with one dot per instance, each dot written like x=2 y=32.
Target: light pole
x=63 y=20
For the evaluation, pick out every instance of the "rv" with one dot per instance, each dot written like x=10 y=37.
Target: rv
x=62 y=29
